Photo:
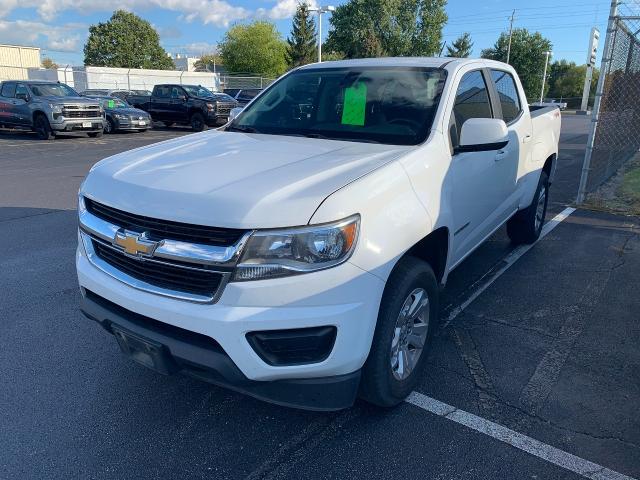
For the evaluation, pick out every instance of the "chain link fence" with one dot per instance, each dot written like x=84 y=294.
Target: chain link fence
x=237 y=81
x=615 y=134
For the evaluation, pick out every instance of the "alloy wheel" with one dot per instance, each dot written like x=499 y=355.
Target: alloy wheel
x=410 y=334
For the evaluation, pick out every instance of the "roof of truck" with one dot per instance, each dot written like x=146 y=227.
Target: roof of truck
x=433 y=62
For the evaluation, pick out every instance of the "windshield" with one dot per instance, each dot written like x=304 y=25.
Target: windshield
x=197 y=91
x=386 y=105
x=114 y=103
x=52 y=90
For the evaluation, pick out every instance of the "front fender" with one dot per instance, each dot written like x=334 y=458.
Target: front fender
x=392 y=218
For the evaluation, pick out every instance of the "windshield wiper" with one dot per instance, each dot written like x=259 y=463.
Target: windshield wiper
x=236 y=128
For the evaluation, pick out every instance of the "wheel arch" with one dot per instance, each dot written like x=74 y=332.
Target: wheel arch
x=433 y=249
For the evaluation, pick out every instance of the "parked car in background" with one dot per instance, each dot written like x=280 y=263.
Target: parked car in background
x=298 y=254
x=49 y=108
x=122 y=94
x=120 y=116
x=185 y=105
x=551 y=103
x=243 y=95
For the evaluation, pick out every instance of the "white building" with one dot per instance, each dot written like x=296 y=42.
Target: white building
x=16 y=59
x=185 y=63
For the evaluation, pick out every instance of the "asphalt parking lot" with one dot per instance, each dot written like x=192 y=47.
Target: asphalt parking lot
x=548 y=348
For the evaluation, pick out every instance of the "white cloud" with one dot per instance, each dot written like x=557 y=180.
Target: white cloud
x=63 y=38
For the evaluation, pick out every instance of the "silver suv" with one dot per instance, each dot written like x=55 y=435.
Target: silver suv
x=48 y=108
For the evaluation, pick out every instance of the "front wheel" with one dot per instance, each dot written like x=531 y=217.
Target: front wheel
x=407 y=318
x=109 y=126
x=526 y=225
x=197 y=122
x=43 y=128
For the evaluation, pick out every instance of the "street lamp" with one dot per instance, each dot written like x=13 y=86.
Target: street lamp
x=321 y=10
x=544 y=75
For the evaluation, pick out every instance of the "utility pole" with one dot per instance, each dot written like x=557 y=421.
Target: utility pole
x=321 y=10
x=510 y=35
x=544 y=74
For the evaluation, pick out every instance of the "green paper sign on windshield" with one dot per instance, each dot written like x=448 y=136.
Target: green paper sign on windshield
x=355 y=103
x=112 y=103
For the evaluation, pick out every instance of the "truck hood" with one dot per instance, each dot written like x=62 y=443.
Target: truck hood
x=69 y=100
x=231 y=179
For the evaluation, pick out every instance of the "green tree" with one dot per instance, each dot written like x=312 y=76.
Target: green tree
x=125 y=41
x=527 y=57
x=256 y=48
x=208 y=62
x=49 y=64
x=301 y=45
x=462 y=47
x=377 y=28
x=566 y=82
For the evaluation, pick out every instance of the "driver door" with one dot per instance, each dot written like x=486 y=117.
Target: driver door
x=477 y=191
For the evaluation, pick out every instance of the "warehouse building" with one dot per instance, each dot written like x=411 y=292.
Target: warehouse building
x=16 y=59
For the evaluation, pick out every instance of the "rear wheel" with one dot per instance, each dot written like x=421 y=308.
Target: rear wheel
x=406 y=321
x=43 y=128
x=197 y=122
x=526 y=225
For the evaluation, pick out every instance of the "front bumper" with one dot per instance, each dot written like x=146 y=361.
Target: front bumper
x=345 y=297
x=132 y=125
x=182 y=351
x=77 y=124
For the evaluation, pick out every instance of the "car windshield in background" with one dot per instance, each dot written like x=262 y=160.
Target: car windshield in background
x=114 y=103
x=197 y=91
x=376 y=104
x=52 y=90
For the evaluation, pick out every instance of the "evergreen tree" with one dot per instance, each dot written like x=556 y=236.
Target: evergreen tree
x=462 y=47
x=301 y=45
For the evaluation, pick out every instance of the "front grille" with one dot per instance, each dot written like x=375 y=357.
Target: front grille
x=166 y=229
x=171 y=277
x=80 y=113
x=224 y=108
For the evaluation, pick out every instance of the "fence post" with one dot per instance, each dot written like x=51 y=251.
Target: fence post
x=605 y=63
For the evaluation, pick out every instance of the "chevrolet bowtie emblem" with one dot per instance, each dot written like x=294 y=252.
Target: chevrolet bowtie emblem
x=135 y=243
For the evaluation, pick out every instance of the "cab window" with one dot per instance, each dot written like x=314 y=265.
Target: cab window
x=508 y=95
x=472 y=101
x=8 y=90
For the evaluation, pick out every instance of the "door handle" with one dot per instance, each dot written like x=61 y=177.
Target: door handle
x=500 y=154
x=526 y=139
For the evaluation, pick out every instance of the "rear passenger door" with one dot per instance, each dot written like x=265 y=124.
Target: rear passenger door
x=7 y=103
x=511 y=110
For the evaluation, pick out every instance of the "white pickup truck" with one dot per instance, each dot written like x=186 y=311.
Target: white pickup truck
x=296 y=254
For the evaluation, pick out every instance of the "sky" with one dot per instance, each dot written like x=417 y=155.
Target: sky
x=193 y=27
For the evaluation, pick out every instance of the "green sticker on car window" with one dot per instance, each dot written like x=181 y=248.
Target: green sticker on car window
x=112 y=103
x=355 y=103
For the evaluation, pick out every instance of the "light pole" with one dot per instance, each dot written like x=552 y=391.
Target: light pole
x=321 y=10
x=544 y=74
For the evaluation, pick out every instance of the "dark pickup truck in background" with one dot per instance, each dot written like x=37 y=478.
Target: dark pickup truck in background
x=185 y=105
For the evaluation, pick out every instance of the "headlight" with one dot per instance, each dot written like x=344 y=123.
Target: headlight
x=211 y=106
x=55 y=108
x=119 y=117
x=280 y=253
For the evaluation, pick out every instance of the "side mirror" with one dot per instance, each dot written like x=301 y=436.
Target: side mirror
x=22 y=96
x=235 y=112
x=183 y=98
x=482 y=135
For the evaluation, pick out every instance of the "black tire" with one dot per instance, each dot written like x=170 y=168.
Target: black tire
x=197 y=122
x=95 y=134
x=109 y=126
x=379 y=384
x=526 y=225
x=42 y=127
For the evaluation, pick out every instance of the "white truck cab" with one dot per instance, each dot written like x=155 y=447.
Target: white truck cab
x=296 y=254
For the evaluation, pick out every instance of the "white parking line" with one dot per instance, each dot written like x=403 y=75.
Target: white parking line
x=509 y=260
x=522 y=442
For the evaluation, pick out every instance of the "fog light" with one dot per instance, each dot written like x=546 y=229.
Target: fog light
x=294 y=346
